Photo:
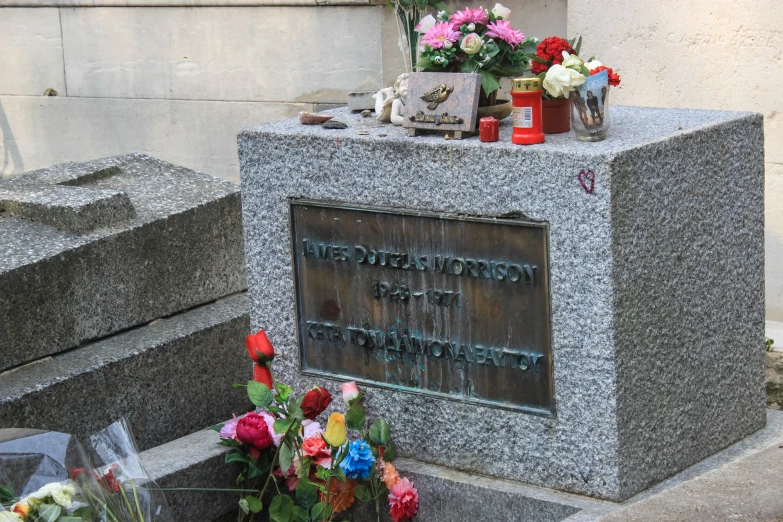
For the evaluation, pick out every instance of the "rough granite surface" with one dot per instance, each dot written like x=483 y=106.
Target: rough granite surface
x=178 y=246
x=656 y=288
x=168 y=378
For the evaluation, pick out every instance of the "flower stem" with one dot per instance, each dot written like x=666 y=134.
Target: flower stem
x=272 y=466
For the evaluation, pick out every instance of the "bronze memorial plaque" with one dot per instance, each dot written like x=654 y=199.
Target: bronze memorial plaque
x=450 y=306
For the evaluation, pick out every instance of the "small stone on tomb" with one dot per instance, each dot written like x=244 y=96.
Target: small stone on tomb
x=334 y=125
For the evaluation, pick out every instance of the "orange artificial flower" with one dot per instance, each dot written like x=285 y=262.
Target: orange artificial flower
x=342 y=495
x=390 y=476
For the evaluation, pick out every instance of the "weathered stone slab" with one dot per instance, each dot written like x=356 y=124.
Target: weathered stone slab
x=179 y=246
x=162 y=377
x=656 y=283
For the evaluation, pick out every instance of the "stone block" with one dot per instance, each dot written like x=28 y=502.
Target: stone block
x=656 y=283
x=182 y=247
x=163 y=377
x=199 y=135
x=31 y=51
x=229 y=53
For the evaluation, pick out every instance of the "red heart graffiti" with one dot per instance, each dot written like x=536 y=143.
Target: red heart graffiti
x=587 y=180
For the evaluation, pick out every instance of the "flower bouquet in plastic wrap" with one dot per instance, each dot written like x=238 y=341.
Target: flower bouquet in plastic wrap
x=51 y=477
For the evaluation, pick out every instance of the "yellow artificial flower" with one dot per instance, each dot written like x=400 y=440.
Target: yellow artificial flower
x=336 y=432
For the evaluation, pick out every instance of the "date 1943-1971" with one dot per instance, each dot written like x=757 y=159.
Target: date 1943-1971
x=401 y=293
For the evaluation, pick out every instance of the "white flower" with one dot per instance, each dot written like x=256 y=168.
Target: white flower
x=471 y=27
x=425 y=24
x=471 y=44
x=572 y=61
x=447 y=44
x=593 y=64
x=559 y=80
x=62 y=494
x=9 y=516
x=501 y=11
x=439 y=59
x=442 y=15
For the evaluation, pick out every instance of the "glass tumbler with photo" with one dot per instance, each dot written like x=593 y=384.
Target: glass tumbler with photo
x=590 y=108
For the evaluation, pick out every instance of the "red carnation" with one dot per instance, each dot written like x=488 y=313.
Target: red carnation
x=258 y=342
x=262 y=374
x=109 y=482
x=253 y=431
x=315 y=401
x=614 y=79
x=550 y=50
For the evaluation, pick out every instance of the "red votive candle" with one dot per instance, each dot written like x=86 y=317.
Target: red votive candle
x=526 y=99
x=489 y=129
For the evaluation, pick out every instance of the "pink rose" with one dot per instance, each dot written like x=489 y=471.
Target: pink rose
x=350 y=391
x=229 y=429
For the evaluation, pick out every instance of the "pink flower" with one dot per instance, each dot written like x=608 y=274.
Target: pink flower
x=310 y=429
x=502 y=29
x=469 y=16
x=403 y=501
x=439 y=34
x=350 y=390
x=270 y=422
x=229 y=429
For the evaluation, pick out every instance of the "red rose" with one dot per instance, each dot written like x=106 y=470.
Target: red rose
x=258 y=342
x=315 y=401
x=109 y=482
x=262 y=374
x=253 y=431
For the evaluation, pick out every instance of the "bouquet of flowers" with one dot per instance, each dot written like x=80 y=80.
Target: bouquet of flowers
x=59 y=480
x=561 y=70
x=280 y=447
x=475 y=41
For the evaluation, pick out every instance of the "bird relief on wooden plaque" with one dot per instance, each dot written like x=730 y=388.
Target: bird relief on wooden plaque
x=442 y=102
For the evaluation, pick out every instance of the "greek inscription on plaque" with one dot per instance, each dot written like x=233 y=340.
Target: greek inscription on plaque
x=450 y=306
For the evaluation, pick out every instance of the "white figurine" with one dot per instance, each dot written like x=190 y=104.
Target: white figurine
x=400 y=96
x=383 y=103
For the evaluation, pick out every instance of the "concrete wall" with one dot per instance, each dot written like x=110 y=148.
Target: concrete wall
x=178 y=78
x=722 y=54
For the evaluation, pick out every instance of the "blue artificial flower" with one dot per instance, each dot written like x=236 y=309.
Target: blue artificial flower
x=357 y=464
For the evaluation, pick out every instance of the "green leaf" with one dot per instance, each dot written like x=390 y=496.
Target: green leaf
x=578 y=46
x=420 y=4
x=259 y=394
x=390 y=453
x=243 y=505
x=322 y=473
x=283 y=390
x=306 y=493
x=339 y=474
x=285 y=457
x=229 y=443
x=361 y=492
x=255 y=471
x=254 y=504
x=281 y=425
x=321 y=511
x=439 y=6
x=300 y=514
x=281 y=509
x=304 y=468
x=216 y=427
x=295 y=408
x=585 y=71
x=540 y=60
x=235 y=457
x=355 y=417
x=49 y=512
x=84 y=513
x=380 y=432
x=489 y=83
x=6 y=494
